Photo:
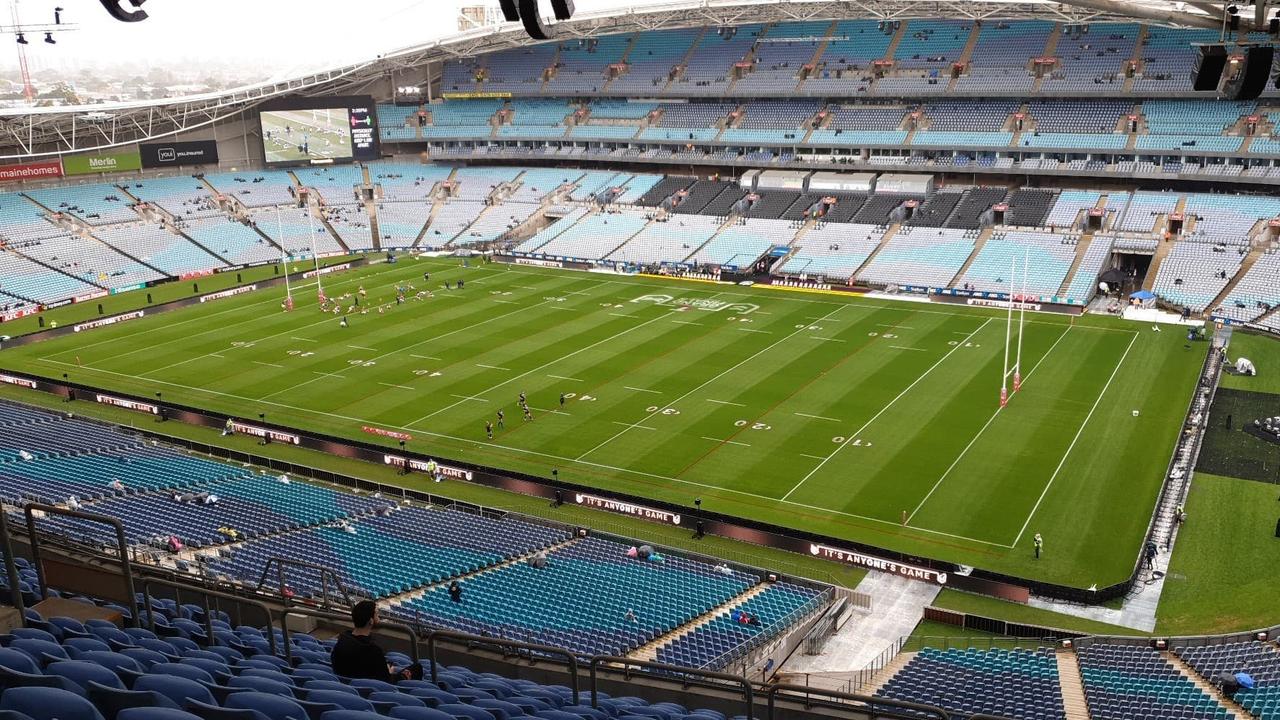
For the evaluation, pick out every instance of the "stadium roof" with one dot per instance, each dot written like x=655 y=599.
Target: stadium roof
x=50 y=131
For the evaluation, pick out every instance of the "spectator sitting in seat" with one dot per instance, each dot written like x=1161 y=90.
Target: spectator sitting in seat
x=356 y=655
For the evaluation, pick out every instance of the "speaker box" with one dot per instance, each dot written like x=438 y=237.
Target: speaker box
x=1210 y=62
x=563 y=9
x=532 y=21
x=1249 y=80
x=510 y=11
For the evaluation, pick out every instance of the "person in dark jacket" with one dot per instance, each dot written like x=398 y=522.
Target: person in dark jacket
x=455 y=591
x=356 y=655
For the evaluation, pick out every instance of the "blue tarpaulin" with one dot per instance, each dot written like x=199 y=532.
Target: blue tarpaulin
x=1245 y=680
x=1143 y=295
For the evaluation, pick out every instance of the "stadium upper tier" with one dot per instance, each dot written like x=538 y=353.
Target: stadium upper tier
x=849 y=58
x=1219 y=256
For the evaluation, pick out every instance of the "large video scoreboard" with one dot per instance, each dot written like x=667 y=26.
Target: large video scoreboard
x=319 y=130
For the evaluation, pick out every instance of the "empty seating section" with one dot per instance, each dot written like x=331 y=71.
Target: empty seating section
x=394 y=122
x=650 y=61
x=701 y=193
x=594 y=236
x=523 y=603
x=232 y=240
x=932 y=43
x=462 y=74
x=844 y=67
x=87 y=260
x=255 y=189
x=430 y=545
x=1092 y=55
x=771 y=204
x=550 y=232
x=518 y=71
x=495 y=222
x=531 y=111
x=1044 y=258
x=336 y=184
x=1098 y=115
x=404 y=181
x=463 y=112
x=934 y=211
x=351 y=224
x=621 y=109
x=962 y=116
x=594 y=182
x=536 y=184
x=1143 y=209
x=1193 y=274
x=1257 y=291
x=772 y=122
x=1260 y=660
x=1000 y=55
x=450 y=220
x=742 y=244
x=969 y=213
x=1227 y=219
x=920 y=256
x=400 y=223
x=852 y=125
x=1067 y=209
x=580 y=68
x=1085 y=282
x=35 y=283
x=710 y=645
x=638 y=187
x=1017 y=684
x=1187 y=124
x=182 y=197
x=295 y=230
x=663 y=189
x=1166 y=55
x=97 y=204
x=779 y=56
x=671 y=241
x=158 y=247
x=1129 y=681
x=879 y=209
x=476 y=183
x=707 y=69
x=604 y=132
x=833 y=251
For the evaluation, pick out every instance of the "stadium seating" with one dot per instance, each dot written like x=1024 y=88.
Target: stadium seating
x=594 y=236
x=1257 y=291
x=98 y=204
x=920 y=256
x=1044 y=258
x=1261 y=661
x=1193 y=273
x=158 y=247
x=776 y=607
x=1018 y=684
x=255 y=190
x=833 y=250
x=550 y=232
x=181 y=197
x=1127 y=681
x=672 y=241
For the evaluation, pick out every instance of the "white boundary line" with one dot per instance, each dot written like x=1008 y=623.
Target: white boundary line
x=884 y=409
x=655 y=392
x=990 y=420
x=1074 y=440
x=817 y=417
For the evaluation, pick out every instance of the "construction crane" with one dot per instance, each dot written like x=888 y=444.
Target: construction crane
x=20 y=32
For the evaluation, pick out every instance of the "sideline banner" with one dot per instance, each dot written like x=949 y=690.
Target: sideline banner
x=31 y=171
x=89 y=164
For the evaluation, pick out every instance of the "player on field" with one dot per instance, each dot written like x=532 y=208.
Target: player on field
x=522 y=399
x=527 y=415
x=501 y=417
x=562 y=400
x=488 y=428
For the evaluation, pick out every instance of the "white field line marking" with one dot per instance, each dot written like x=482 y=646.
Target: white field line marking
x=817 y=417
x=852 y=436
x=491 y=367
x=751 y=330
x=562 y=307
x=402 y=387
x=259 y=362
x=725 y=402
x=633 y=425
x=990 y=420
x=815 y=457
x=1074 y=440
x=562 y=377
x=895 y=327
x=728 y=442
x=548 y=410
x=548 y=456
x=424 y=357
x=361 y=347
x=524 y=287
x=468 y=397
x=686 y=322
x=620 y=315
x=900 y=347
x=815 y=337
x=655 y=392
x=505 y=302
x=220 y=357
x=546 y=365
x=342 y=377
x=739 y=364
x=302 y=339
x=201 y=357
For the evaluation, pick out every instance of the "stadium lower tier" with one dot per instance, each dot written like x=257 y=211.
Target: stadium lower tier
x=895 y=231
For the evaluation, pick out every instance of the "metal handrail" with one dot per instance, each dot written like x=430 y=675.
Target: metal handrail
x=11 y=566
x=748 y=691
x=126 y=567
x=324 y=573
x=835 y=696
x=572 y=660
x=147 y=582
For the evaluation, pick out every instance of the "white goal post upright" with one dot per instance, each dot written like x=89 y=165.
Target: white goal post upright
x=315 y=255
x=1022 y=314
x=284 y=260
x=1008 y=339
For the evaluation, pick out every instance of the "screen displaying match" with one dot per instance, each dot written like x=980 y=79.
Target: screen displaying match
x=319 y=131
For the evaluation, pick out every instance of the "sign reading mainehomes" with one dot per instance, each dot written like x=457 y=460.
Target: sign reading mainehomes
x=625 y=508
x=421 y=466
x=109 y=321
x=874 y=563
x=127 y=404
x=275 y=435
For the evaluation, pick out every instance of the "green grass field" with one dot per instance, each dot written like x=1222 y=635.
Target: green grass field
x=818 y=412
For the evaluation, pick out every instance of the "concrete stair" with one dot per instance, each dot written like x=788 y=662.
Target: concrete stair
x=978 y=244
x=1082 y=248
x=1255 y=253
x=884 y=241
x=1209 y=688
x=819 y=52
x=1163 y=248
x=649 y=651
x=1073 y=700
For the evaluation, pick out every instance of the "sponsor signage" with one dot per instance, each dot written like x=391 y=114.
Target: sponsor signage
x=157 y=155
x=109 y=321
x=539 y=263
x=228 y=293
x=327 y=270
x=89 y=296
x=387 y=433
x=127 y=404
x=90 y=164
x=19 y=313
x=20 y=382
x=31 y=171
x=275 y=435
x=127 y=288
x=872 y=562
x=194 y=274
x=1023 y=305
x=624 y=508
x=421 y=466
x=476 y=95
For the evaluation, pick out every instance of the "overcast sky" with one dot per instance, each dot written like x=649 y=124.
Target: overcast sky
x=284 y=35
